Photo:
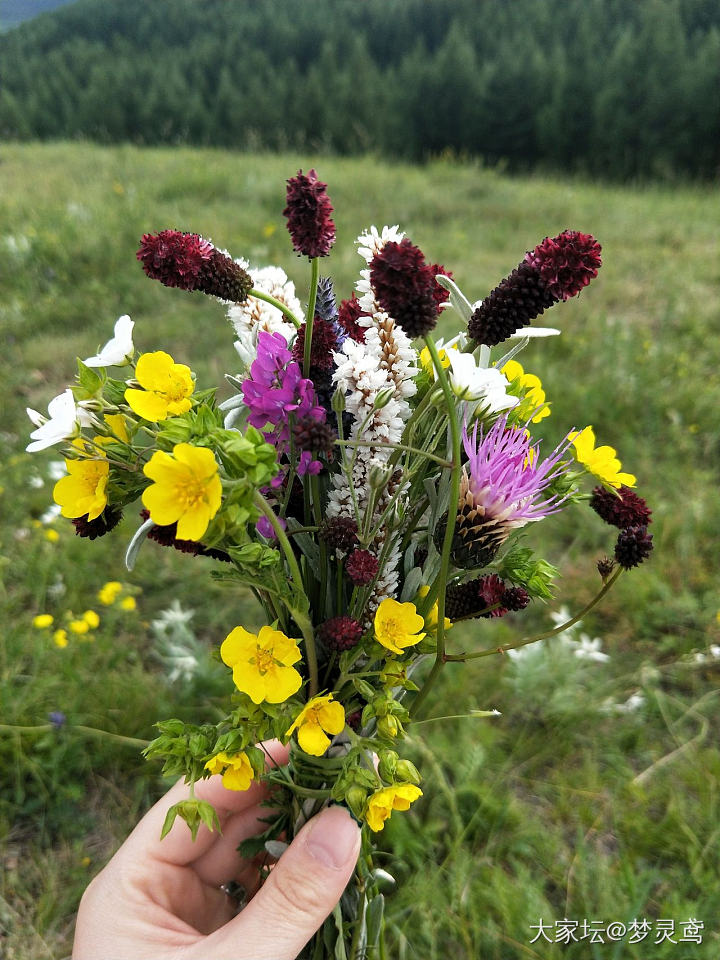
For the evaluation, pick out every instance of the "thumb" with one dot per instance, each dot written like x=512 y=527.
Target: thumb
x=301 y=891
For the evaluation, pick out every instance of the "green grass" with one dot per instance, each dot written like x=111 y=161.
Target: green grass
x=562 y=807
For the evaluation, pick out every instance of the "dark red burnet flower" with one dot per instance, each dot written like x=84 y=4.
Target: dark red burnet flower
x=102 y=524
x=188 y=261
x=633 y=546
x=361 y=567
x=308 y=210
x=166 y=536
x=622 y=509
x=475 y=598
x=324 y=342
x=348 y=316
x=557 y=269
x=406 y=288
x=340 y=633
x=314 y=435
x=339 y=533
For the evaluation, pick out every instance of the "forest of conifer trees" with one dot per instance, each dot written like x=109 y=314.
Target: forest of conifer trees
x=603 y=87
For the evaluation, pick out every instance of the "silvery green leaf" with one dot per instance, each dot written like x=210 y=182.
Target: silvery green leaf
x=382 y=876
x=413 y=582
x=232 y=402
x=513 y=352
x=458 y=300
x=136 y=542
x=234 y=381
x=340 y=952
x=374 y=919
x=308 y=546
x=276 y=848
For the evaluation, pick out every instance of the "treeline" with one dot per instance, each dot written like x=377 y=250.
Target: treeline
x=608 y=87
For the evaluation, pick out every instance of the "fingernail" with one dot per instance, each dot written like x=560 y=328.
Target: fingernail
x=334 y=837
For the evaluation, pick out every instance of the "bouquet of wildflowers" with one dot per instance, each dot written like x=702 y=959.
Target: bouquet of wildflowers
x=367 y=482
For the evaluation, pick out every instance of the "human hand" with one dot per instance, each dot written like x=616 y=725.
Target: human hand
x=161 y=899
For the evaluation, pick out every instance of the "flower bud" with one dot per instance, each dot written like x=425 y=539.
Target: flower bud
x=387 y=763
x=407 y=772
x=389 y=726
x=356 y=798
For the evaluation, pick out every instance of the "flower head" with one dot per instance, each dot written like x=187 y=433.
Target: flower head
x=470 y=381
x=98 y=526
x=119 y=349
x=237 y=772
x=167 y=387
x=431 y=617
x=381 y=804
x=501 y=490
x=398 y=625
x=533 y=396
x=65 y=420
x=348 y=315
x=622 y=509
x=602 y=462
x=319 y=716
x=405 y=286
x=262 y=665
x=566 y=263
x=340 y=633
x=83 y=492
x=109 y=592
x=633 y=546
x=43 y=620
x=186 y=489
x=188 y=261
x=362 y=567
x=308 y=215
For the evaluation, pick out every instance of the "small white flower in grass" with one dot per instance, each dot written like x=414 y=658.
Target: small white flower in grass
x=589 y=649
x=715 y=651
x=65 y=420
x=471 y=382
x=561 y=616
x=633 y=703
x=56 y=470
x=52 y=512
x=119 y=349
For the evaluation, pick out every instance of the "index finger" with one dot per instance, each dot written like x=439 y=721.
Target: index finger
x=178 y=847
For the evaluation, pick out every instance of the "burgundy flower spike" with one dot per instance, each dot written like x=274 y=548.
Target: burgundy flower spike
x=557 y=269
x=406 y=288
x=308 y=215
x=188 y=261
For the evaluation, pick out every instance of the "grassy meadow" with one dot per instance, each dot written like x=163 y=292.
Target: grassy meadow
x=596 y=795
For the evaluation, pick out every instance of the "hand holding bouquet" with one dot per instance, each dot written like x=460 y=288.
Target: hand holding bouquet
x=370 y=493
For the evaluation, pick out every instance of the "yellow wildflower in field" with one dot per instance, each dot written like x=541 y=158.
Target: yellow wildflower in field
x=237 y=771
x=262 y=665
x=52 y=536
x=187 y=489
x=319 y=716
x=533 y=393
x=109 y=592
x=381 y=804
x=602 y=462
x=431 y=617
x=128 y=603
x=43 y=620
x=167 y=387
x=397 y=625
x=60 y=638
x=79 y=626
x=84 y=490
x=91 y=619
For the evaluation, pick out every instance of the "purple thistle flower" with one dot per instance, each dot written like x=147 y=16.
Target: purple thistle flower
x=501 y=490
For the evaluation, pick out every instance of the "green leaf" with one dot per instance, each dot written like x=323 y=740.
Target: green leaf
x=374 y=920
x=89 y=382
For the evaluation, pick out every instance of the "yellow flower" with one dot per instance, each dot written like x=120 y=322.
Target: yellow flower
x=84 y=490
x=187 y=489
x=237 y=771
x=431 y=617
x=108 y=593
x=319 y=716
x=602 y=462
x=52 y=535
x=128 y=603
x=533 y=393
x=116 y=422
x=79 y=626
x=167 y=387
x=381 y=804
x=43 y=620
x=60 y=638
x=426 y=359
x=262 y=665
x=91 y=619
x=397 y=625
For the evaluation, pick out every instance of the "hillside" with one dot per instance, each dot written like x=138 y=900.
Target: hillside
x=601 y=86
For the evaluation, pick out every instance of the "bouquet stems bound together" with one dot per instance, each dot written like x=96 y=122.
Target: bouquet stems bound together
x=368 y=482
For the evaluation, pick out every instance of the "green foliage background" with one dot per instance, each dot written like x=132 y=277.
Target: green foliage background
x=607 y=87
x=562 y=807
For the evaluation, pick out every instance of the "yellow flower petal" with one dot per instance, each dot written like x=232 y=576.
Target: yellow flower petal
x=238 y=645
x=312 y=739
x=332 y=717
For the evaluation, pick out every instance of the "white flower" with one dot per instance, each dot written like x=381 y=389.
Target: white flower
x=471 y=382
x=715 y=651
x=66 y=419
x=51 y=513
x=634 y=702
x=57 y=470
x=119 y=349
x=561 y=616
x=371 y=242
x=587 y=649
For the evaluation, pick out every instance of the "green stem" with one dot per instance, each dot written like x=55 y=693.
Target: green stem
x=282 y=307
x=86 y=731
x=463 y=657
x=394 y=446
x=298 y=615
x=437 y=590
x=310 y=316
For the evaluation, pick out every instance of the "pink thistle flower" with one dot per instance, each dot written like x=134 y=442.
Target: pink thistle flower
x=308 y=215
x=188 y=261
